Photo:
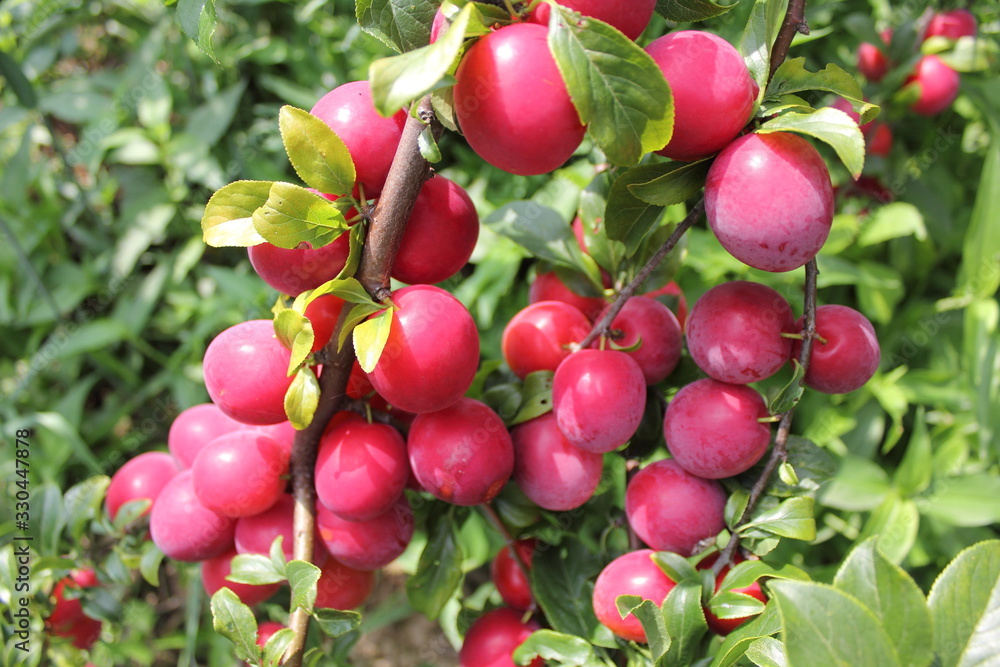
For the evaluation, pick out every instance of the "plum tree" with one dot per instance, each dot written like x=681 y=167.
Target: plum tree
x=538 y=337
x=633 y=573
x=672 y=510
x=511 y=131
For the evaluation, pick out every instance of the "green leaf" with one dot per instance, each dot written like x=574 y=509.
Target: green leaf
x=822 y=625
x=965 y=606
x=82 y=504
x=793 y=77
x=358 y=314
x=859 y=485
x=676 y=567
x=731 y=604
x=295 y=332
x=915 y=470
x=689 y=11
x=228 y=218
x=562 y=581
x=685 y=623
x=293 y=215
x=793 y=518
x=767 y=652
x=537 y=397
x=567 y=650
x=276 y=646
x=399 y=80
x=968 y=500
x=149 y=565
x=317 y=154
x=970 y=54
x=370 y=338
x=786 y=473
x=254 y=569
x=758 y=36
x=593 y=204
x=198 y=20
x=439 y=571
x=18 y=82
x=739 y=640
x=787 y=397
x=653 y=623
x=403 y=25
x=977 y=276
x=336 y=623
x=814 y=467
x=302 y=577
x=276 y=554
x=746 y=573
x=348 y=289
x=233 y=620
x=538 y=229
x=679 y=182
x=893 y=597
x=429 y=148
x=629 y=219
x=617 y=88
x=892 y=221
x=829 y=125
x=302 y=398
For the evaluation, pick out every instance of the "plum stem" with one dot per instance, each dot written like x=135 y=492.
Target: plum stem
x=388 y=220
x=603 y=325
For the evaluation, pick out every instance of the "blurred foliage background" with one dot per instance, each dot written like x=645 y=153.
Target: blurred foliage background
x=115 y=129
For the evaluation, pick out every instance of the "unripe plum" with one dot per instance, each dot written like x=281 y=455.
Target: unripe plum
x=342 y=587
x=245 y=370
x=361 y=469
x=213 y=577
x=292 y=271
x=629 y=16
x=68 y=618
x=849 y=357
x=634 y=573
x=440 y=235
x=713 y=430
x=952 y=24
x=183 y=528
x=194 y=428
x=432 y=352
x=672 y=510
x=538 y=337
x=367 y=545
x=554 y=473
x=769 y=200
x=240 y=474
x=371 y=139
x=652 y=322
x=707 y=75
x=512 y=104
x=938 y=85
x=734 y=332
x=493 y=638
x=508 y=577
x=598 y=397
x=143 y=476
x=462 y=454
x=548 y=287
x=872 y=62
x=322 y=313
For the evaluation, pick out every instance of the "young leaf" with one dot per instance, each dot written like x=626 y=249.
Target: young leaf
x=399 y=80
x=793 y=518
x=537 y=397
x=317 y=154
x=277 y=555
x=787 y=397
x=830 y=125
x=916 y=469
x=893 y=597
x=439 y=571
x=302 y=577
x=793 y=77
x=254 y=569
x=627 y=218
x=617 y=88
x=823 y=625
x=130 y=511
x=685 y=623
x=302 y=398
x=358 y=314
x=676 y=567
x=233 y=620
x=403 y=25
x=652 y=620
x=370 y=337
x=336 y=623
x=786 y=473
x=567 y=650
x=292 y=215
x=429 y=148
x=198 y=20
x=276 y=646
x=689 y=11
x=965 y=605
x=228 y=218
x=295 y=332
x=678 y=182
x=759 y=35
x=813 y=466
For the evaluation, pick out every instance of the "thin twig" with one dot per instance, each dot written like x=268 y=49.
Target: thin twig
x=629 y=290
x=795 y=21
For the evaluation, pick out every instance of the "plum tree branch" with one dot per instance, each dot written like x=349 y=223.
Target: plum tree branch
x=795 y=21
x=779 y=453
x=385 y=231
x=629 y=290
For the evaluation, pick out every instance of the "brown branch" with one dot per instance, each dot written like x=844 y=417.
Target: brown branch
x=629 y=290
x=795 y=21
x=780 y=451
x=408 y=172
